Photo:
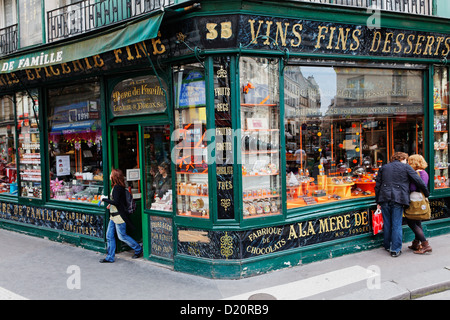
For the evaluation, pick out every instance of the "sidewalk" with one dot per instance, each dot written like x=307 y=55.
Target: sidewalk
x=35 y=268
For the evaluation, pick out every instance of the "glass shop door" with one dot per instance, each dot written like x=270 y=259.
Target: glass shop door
x=125 y=151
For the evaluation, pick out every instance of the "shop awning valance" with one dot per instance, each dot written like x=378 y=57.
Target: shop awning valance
x=115 y=38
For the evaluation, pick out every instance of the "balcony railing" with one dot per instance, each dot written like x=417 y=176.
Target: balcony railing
x=8 y=40
x=423 y=7
x=88 y=15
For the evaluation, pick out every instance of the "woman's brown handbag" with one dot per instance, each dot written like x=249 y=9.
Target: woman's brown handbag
x=419 y=207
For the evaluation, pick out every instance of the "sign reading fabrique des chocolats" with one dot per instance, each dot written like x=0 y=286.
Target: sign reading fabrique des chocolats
x=267 y=240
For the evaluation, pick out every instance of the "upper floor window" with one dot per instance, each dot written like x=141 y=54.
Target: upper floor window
x=8 y=14
x=30 y=22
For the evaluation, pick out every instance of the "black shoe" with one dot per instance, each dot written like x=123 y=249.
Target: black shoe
x=105 y=261
x=395 y=254
x=138 y=255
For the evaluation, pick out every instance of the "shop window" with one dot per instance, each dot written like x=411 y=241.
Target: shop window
x=75 y=143
x=342 y=124
x=190 y=144
x=8 y=167
x=27 y=110
x=440 y=103
x=140 y=95
x=30 y=21
x=260 y=137
x=158 y=171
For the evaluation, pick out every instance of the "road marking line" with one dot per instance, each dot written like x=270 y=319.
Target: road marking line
x=314 y=285
x=8 y=295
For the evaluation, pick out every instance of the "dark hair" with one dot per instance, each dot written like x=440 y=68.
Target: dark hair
x=117 y=178
x=399 y=156
x=164 y=166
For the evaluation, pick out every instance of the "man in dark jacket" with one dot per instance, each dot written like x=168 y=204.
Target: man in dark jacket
x=392 y=194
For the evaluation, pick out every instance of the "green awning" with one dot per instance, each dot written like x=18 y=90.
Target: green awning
x=115 y=38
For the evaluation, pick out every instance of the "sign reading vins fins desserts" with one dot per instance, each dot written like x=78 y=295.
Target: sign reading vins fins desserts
x=308 y=36
x=224 y=138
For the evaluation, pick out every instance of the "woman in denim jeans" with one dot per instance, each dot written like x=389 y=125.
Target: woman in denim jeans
x=392 y=194
x=118 y=218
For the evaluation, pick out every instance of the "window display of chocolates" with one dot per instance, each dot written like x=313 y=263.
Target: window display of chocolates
x=260 y=207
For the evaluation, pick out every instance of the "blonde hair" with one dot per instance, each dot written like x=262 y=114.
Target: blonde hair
x=416 y=161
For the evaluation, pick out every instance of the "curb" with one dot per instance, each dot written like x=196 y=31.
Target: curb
x=407 y=288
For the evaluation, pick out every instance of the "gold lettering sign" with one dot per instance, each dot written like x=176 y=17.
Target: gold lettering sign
x=138 y=95
x=310 y=36
x=76 y=222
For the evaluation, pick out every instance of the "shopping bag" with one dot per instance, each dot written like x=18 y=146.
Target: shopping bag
x=377 y=221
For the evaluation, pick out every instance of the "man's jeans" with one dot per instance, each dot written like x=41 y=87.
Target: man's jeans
x=122 y=234
x=392 y=225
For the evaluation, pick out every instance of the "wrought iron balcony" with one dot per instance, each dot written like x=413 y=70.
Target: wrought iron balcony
x=8 y=40
x=423 y=7
x=87 y=15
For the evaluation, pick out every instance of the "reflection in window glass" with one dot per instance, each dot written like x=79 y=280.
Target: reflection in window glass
x=260 y=141
x=342 y=124
x=8 y=168
x=157 y=168
x=75 y=143
x=190 y=151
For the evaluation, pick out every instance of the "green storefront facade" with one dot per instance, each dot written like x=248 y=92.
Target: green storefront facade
x=250 y=132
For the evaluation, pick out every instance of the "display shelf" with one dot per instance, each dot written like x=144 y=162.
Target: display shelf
x=260 y=141
x=440 y=130
x=28 y=147
x=191 y=171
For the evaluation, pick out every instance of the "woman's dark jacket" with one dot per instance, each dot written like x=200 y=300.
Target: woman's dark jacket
x=119 y=200
x=392 y=183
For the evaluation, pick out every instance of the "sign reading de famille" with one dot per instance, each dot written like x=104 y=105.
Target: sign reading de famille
x=37 y=60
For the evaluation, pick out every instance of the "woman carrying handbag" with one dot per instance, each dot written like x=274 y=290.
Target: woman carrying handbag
x=119 y=219
x=392 y=195
x=420 y=244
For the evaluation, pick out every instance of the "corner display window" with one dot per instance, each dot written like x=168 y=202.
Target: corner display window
x=190 y=150
x=342 y=124
x=75 y=143
x=260 y=138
